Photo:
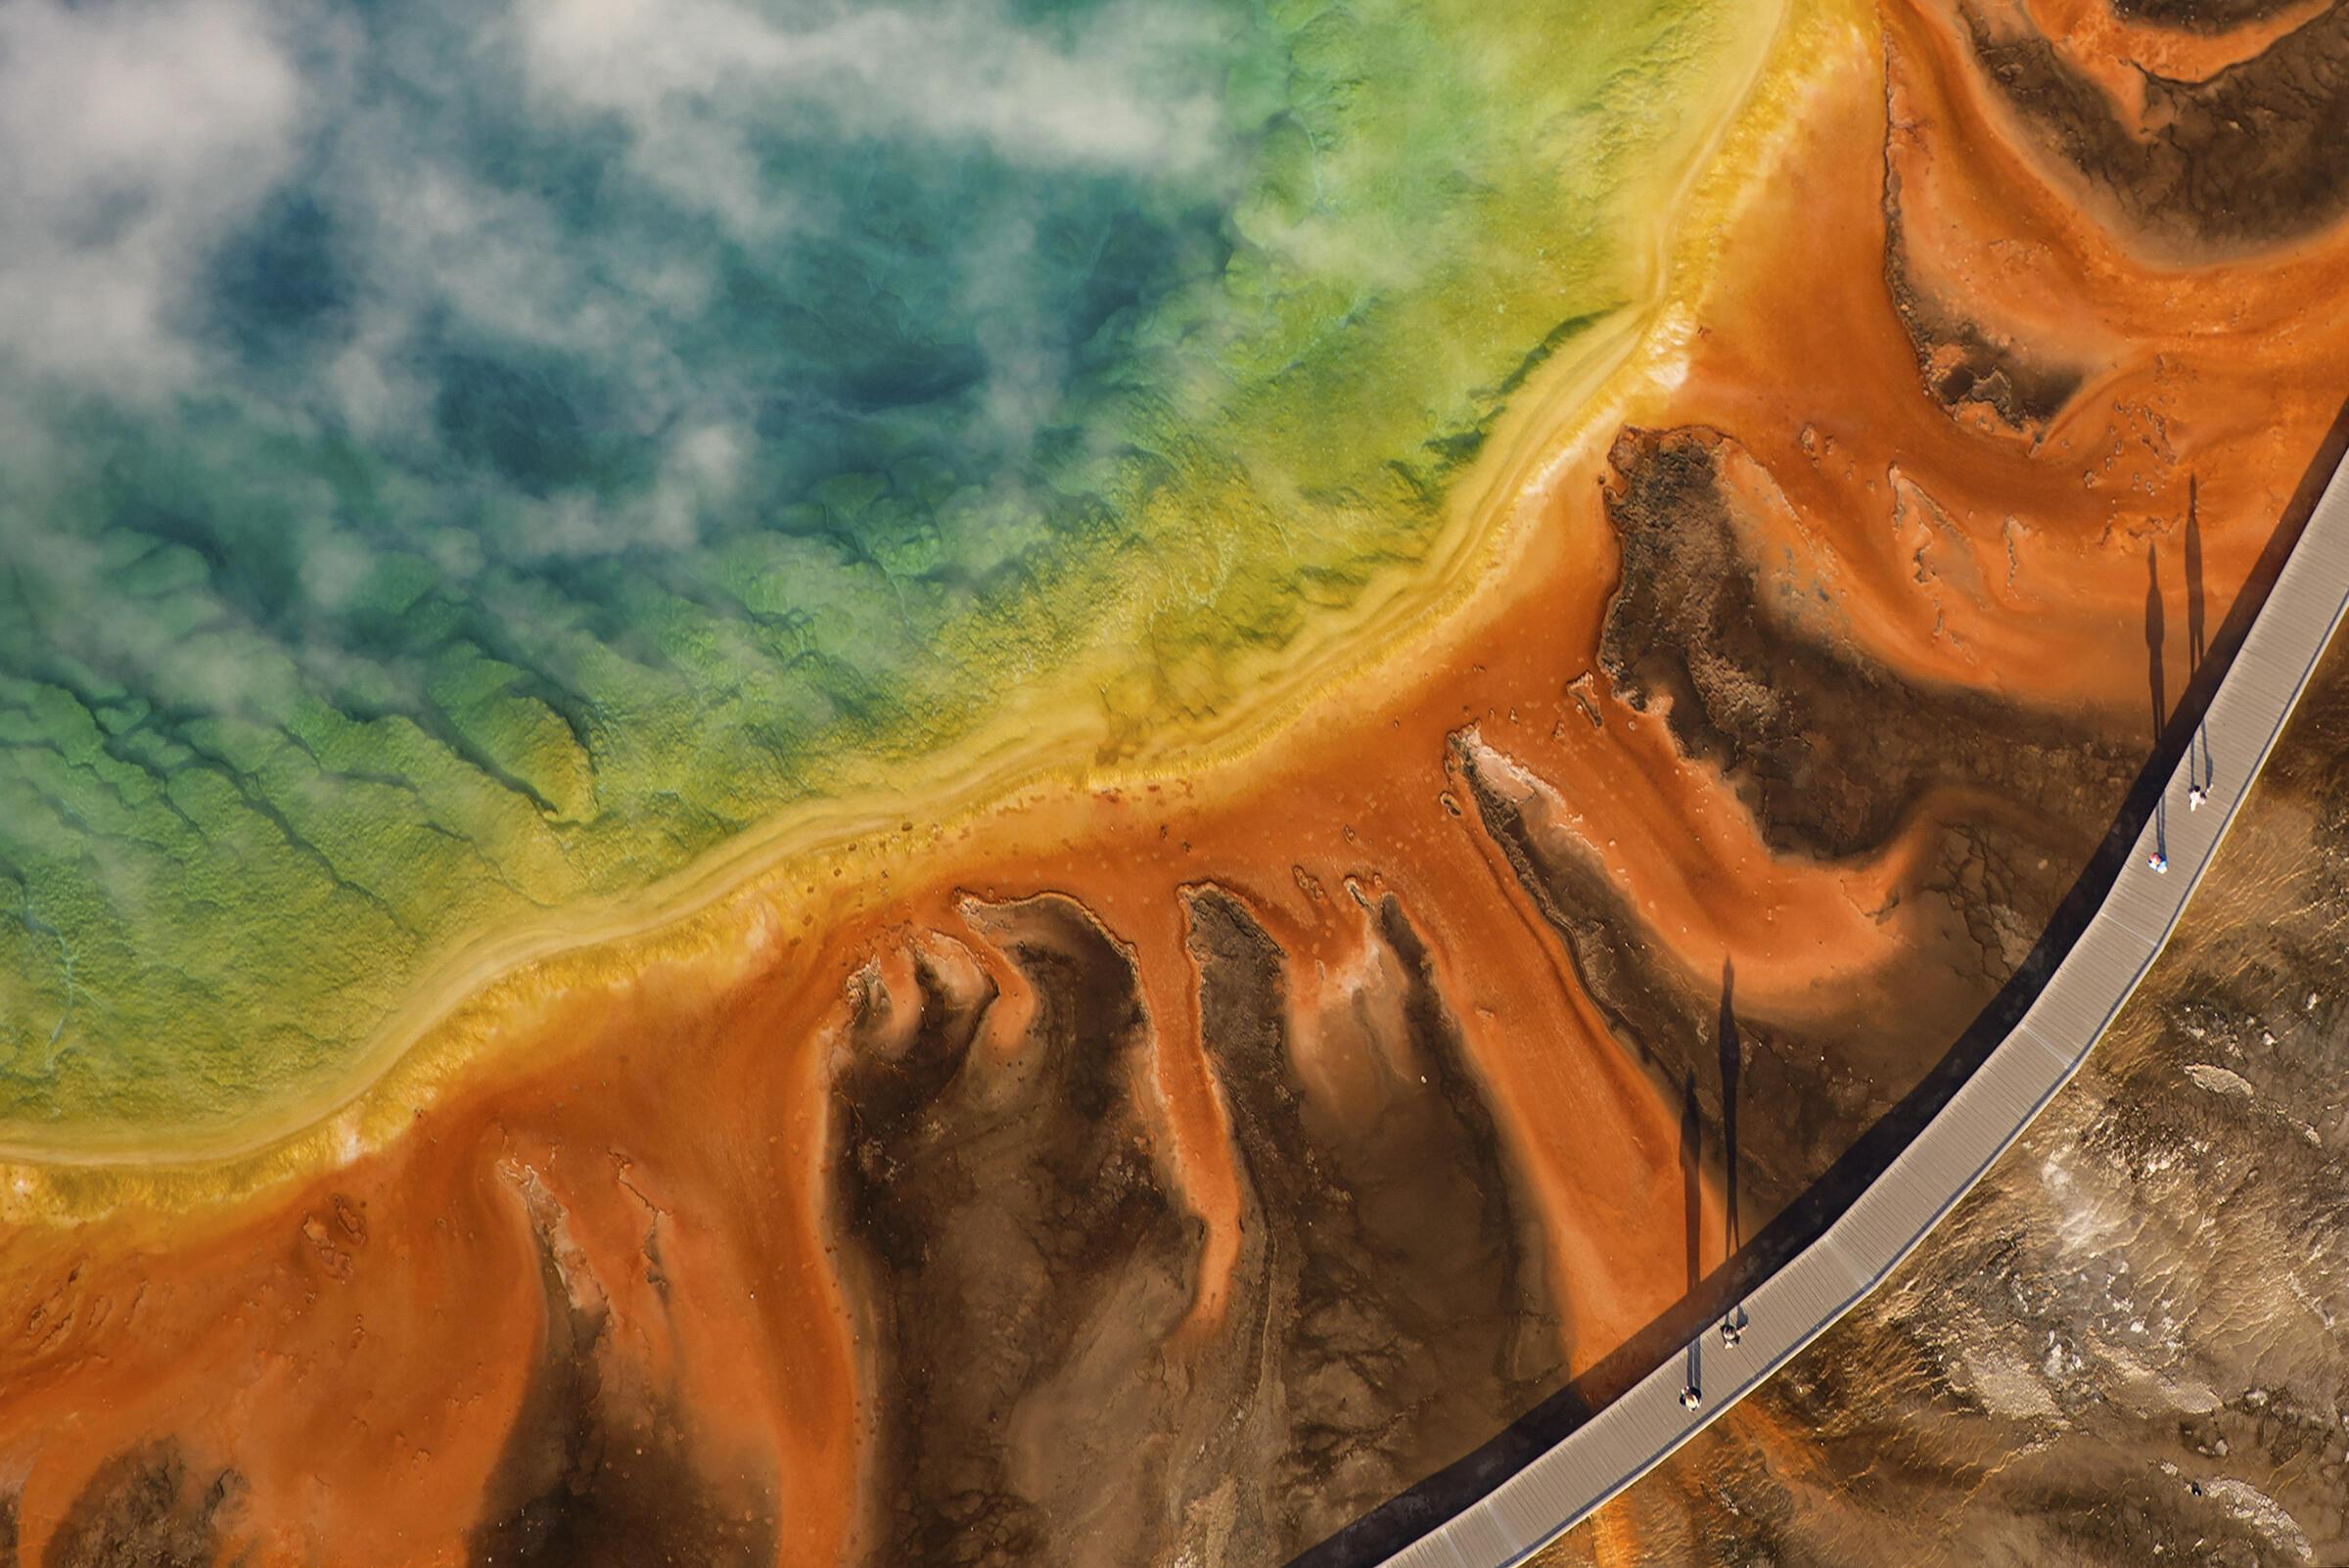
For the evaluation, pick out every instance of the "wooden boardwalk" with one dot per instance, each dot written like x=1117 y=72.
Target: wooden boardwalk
x=1562 y=1485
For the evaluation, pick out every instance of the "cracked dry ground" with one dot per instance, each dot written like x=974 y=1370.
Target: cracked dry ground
x=1170 y=1174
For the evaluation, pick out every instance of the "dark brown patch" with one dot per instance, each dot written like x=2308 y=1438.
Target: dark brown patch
x=1966 y=364
x=2206 y=17
x=1671 y=1022
x=591 y=1478
x=143 y=1509
x=2253 y=155
x=1025 y=1262
x=1827 y=749
x=1397 y=1275
x=1025 y=1268
x=1988 y=1409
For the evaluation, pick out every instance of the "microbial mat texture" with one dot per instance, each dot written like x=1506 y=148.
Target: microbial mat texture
x=2126 y=1346
x=463 y=465
x=1001 y=783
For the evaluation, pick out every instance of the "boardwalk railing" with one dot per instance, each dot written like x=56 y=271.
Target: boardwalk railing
x=1842 y=1240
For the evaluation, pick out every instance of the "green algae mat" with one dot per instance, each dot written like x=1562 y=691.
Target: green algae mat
x=457 y=461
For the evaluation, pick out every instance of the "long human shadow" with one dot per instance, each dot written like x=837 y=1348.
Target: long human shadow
x=1426 y=1506
x=1692 y=1191
x=1692 y=1207
x=1733 y=1056
x=1692 y=1169
x=2156 y=636
x=2196 y=650
x=2156 y=642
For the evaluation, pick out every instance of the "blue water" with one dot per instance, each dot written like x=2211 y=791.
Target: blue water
x=456 y=458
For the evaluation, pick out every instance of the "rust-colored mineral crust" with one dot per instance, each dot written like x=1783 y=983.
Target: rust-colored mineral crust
x=1173 y=1173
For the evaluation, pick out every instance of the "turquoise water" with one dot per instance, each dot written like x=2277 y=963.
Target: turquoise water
x=454 y=460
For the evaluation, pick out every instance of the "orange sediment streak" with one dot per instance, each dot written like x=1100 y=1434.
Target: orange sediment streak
x=364 y=1383
x=2113 y=51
